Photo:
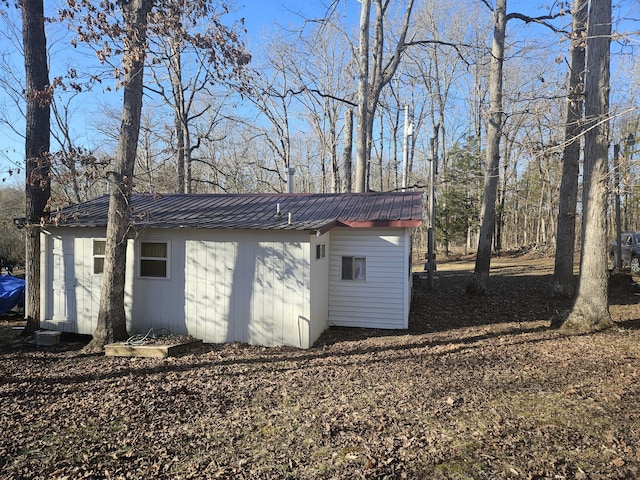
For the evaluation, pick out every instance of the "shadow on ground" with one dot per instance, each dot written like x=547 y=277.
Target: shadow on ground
x=518 y=292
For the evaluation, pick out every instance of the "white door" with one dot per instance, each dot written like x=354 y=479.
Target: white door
x=63 y=280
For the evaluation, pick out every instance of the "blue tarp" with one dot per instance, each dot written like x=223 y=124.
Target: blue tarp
x=11 y=292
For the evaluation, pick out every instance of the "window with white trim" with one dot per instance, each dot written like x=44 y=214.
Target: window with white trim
x=320 y=251
x=354 y=268
x=99 y=247
x=154 y=259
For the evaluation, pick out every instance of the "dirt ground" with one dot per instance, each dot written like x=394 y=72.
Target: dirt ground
x=477 y=388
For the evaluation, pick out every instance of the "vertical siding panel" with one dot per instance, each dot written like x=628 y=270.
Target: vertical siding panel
x=225 y=285
x=239 y=294
x=206 y=295
x=317 y=286
x=259 y=285
x=225 y=259
x=157 y=303
x=208 y=283
x=261 y=302
x=195 y=308
x=70 y=293
x=301 y=288
x=83 y=303
x=129 y=286
x=284 y=303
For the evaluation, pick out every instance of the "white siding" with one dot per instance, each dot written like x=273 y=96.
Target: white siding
x=70 y=291
x=380 y=301
x=319 y=287
x=258 y=287
x=248 y=286
x=230 y=285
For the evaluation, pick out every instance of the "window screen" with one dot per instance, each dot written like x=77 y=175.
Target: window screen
x=354 y=268
x=153 y=259
x=99 y=247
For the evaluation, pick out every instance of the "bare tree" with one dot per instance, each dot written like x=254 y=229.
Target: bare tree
x=272 y=95
x=348 y=149
x=129 y=33
x=189 y=78
x=564 y=284
x=324 y=81
x=37 y=140
x=591 y=308
x=363 y=96
x=494 y=132
x=372 y=80
x=111 y=323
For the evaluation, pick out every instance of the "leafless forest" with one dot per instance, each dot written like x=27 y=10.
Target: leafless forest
x=294 y=106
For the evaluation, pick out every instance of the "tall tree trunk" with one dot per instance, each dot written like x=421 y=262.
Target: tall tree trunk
x=348 y=148
x=180 y=186
x=175 y=73
x=502 y=199
x=381 y=155
x=591 y=308
x=363 y=97
x=188 y=151
x=37 y=138
x=564 y=283
x=370 y=84
x=333 y=152
x=111 y=324
x=492 y=161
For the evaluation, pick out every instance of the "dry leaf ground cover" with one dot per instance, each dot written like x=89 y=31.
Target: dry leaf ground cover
x=478 y=388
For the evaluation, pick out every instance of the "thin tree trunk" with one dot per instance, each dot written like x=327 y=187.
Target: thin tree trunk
x=37 y=138
x=369 y=88
x=335 y=168
x=186 y=135
x=502 y=198
x=175 y=73
x=363 y=98
x=541 y=206
x=591 y=308
x=564 y=282
x=380 y=166
x=396 y=183
x=111 y=325
x=492 y=165
x=180 y=186
x=348 y=148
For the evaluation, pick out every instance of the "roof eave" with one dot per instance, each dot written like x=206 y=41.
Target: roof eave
x=381 y=223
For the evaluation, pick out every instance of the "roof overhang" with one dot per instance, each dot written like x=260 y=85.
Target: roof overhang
x=380 y=223
x=369 y=224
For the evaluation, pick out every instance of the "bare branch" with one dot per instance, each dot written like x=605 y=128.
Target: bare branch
x=542 y=20
x=455 y=46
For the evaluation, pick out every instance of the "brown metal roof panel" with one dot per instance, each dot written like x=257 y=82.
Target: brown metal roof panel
x=255 y=211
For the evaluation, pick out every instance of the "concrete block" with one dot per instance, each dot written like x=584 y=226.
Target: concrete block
x=47 y=337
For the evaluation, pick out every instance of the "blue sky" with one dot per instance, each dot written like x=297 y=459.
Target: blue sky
x=260 y=17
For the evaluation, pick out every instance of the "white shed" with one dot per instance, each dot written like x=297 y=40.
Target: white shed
x=264 y=269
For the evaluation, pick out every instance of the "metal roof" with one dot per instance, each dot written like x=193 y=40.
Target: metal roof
x=315 y=212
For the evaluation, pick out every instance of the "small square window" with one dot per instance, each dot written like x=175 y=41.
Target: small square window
x=99 y=247
x=354 y=268
x=153 y=259
x=320 y=251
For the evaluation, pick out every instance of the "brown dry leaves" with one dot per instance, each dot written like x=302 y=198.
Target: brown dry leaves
x=477 y=388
